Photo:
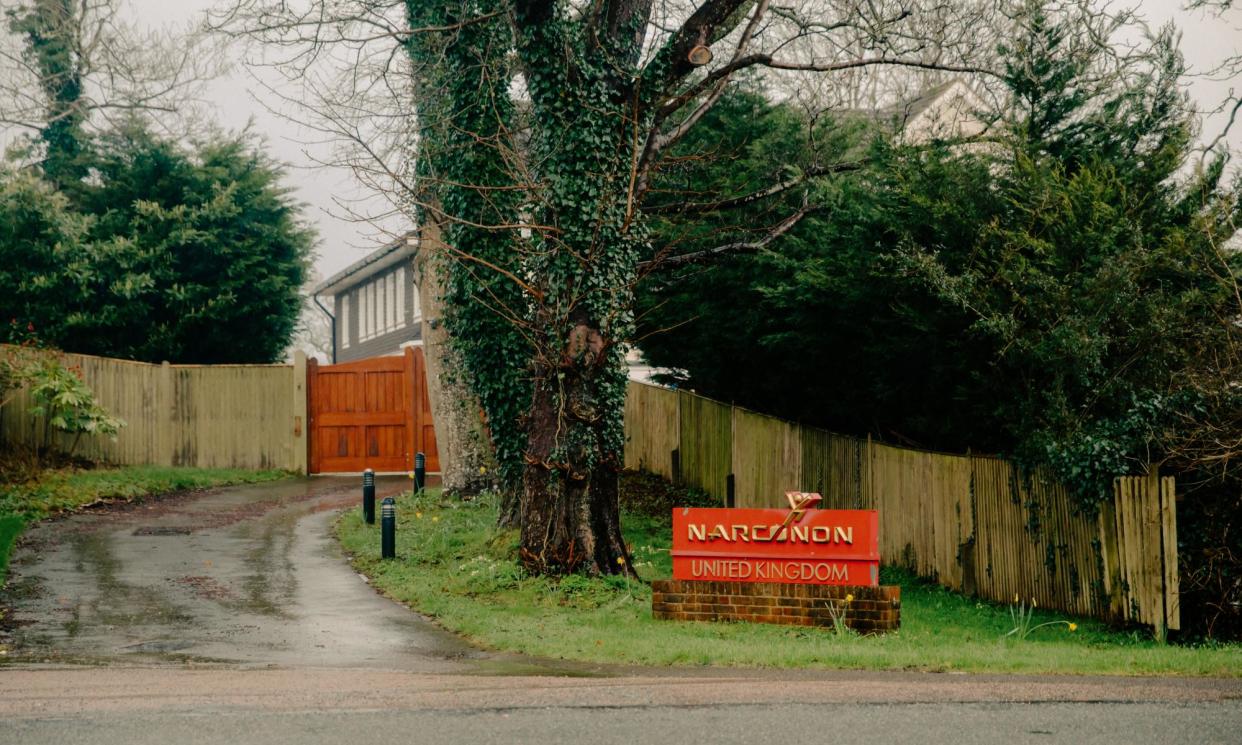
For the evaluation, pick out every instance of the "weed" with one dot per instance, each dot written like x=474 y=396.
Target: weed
x=1023 y=617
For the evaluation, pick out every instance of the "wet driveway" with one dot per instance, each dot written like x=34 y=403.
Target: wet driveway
x=247 y=575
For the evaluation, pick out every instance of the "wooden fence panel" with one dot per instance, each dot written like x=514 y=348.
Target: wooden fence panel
x=1144 y=584
x=767 y=459
x=924 y=504
x=652 y=428
x=127 y=390
x=832 y=467
x=977 y=524
x=1008 y=561
x=706 y=443
x=235 y=416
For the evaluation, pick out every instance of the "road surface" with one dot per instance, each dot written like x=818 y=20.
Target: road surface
x=232 y=616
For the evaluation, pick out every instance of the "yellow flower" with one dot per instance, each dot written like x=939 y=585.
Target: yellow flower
x=1015 y=598
x=411 y=474
x=621 y=560
x=435 y=519
x=418 y=515
x=1073 y=627
x=482 y=469
x=849 y=598
x=1034 y=604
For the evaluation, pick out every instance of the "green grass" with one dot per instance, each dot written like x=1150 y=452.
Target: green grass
x=453 y=565
x=65 y=490
x=68 y=489
x=11 y=526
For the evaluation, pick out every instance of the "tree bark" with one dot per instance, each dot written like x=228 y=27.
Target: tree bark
x=467 y=462
x=570 y=511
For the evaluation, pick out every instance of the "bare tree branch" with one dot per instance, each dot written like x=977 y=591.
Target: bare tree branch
x=728 y=249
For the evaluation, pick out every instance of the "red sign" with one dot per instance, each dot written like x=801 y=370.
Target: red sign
x=798 y=545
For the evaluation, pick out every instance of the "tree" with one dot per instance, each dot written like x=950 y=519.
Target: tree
x=70 y=65
x=165 y=254
x=1062 y=295
x=577 y=106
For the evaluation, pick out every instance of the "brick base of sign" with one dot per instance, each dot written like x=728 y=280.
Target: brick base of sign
x=873 y=610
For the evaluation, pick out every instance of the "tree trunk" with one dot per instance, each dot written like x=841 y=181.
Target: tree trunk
x=467 y=463
x=570 y=512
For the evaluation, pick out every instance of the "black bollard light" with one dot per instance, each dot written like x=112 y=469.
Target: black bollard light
x=388 y=529
x=368 y=496
x=420 y=472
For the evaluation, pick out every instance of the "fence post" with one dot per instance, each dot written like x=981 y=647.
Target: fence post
x=297 y=458
x=1168 y=538
x=166 y=408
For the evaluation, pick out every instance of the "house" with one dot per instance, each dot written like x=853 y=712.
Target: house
x=374 y=303
x=947 y=111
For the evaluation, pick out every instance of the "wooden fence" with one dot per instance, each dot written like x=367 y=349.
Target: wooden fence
x=976 y=524
x=211 y=416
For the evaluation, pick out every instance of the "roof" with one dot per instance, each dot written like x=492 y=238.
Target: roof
x=926 y=99
x=380 y=258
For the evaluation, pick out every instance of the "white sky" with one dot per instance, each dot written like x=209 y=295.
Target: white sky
x=236 y=100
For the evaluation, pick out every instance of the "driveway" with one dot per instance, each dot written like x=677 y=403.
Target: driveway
x=232 y=616
x=247 y=575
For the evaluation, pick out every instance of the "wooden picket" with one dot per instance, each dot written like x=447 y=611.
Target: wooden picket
x=976 y=524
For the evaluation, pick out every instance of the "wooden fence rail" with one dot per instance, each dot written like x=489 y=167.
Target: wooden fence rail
x=212 y=416
x=976 y=524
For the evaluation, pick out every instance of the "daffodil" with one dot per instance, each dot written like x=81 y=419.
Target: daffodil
x=418 y=515
x=849 y=598
x=1073 y=627
x=621 y=560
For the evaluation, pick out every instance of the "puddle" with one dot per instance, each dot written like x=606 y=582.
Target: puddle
x=162 y=531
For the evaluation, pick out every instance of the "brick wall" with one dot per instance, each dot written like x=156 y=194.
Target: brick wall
x=872 y=610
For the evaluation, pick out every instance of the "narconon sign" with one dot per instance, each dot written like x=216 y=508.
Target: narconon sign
x=798 y=545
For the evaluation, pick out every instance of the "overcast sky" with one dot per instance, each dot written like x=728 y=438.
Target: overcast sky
x=237 y=100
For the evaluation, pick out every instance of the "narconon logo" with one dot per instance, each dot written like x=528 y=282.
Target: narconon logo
x=799 y=545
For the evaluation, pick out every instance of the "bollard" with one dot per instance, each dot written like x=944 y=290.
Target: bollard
x=420 y=472
x=368 y=496
x=388 y=529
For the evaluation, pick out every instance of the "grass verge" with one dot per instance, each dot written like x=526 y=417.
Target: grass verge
x=453 y=565
x=65 y=490
x=11 y=526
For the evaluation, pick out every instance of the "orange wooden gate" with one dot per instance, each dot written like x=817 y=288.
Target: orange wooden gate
x=372 y=413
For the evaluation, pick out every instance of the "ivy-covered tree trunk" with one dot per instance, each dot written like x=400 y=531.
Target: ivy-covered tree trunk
x=583 y=270
x=544 y=226
x=467 y=465
x=50 y=28
x=465 y=187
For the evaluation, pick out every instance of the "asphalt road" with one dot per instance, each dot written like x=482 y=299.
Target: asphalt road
x=233 y=617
